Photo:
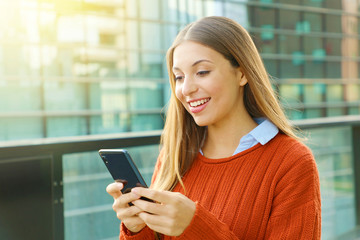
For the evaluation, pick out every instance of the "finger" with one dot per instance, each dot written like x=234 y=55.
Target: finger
x=134 y=224
x=162 y=224
x=128 y=197
x=124 y=200
x=151 y=207
x=125 y=213
x=159 y=224
x=162 y=229
x=114 y=189
x=133 y=220
x=156 y=195
x=155 y=220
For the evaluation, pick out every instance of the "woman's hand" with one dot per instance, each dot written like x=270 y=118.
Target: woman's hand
x=171 y=213
x=128 y=215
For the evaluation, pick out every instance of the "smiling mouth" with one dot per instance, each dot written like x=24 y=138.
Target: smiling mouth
x=199 y=102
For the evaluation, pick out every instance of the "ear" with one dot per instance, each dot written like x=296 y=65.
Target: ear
x=242 y=78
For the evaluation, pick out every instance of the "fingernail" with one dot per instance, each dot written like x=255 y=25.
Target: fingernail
x=136 y=191
x=120 y=185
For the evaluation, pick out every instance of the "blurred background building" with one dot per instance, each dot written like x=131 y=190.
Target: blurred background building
x=88 y=67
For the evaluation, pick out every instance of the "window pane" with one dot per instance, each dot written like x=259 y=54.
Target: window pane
x=334 y=4
x=334 y=93
x=150 y=36
x=267 y=17
x=170 y=10
x=314 y=93
x=64 y=96
x=21 y=128
x=290 y=69
x=145 y=95
x=290 y=20
x=314 y=46
x=265 y=42
x=333 y=46
x=333 y=70
x=238 y=12
x=149 y=9
x=146 y=122
x=20 y=95
x=131 y=8
x=289 y=44
x=314 y=69
x=182 y=11
x=132 y=39
x=291 y=93
x=271 y=67
x=66 y=126
x=352 y=95
x=145 y=65
x=314 y=20
x=333 y=23
x=195 y=9
x=168 y=38
x=24 y=60
x=47 y=20
x=334 y=160
x=213 y=8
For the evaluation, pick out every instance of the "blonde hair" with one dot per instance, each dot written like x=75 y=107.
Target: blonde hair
x=182 y=138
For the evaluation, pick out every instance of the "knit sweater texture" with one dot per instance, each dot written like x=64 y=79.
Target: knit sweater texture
x=269 y=191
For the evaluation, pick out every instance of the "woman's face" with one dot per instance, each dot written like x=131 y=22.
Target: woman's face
x=207 y=85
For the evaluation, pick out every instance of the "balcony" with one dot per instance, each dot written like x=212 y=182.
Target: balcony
x=55 y=188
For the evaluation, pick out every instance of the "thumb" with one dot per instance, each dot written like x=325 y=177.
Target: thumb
x=114 y=189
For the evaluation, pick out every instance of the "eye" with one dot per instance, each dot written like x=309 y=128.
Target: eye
x=202 y=73
x=177 y=78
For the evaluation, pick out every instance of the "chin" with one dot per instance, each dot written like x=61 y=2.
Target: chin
x=200 y=123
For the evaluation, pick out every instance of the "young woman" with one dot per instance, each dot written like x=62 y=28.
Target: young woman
x=231 y=166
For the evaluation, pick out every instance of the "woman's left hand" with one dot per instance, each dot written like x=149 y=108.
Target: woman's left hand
x=171 y=213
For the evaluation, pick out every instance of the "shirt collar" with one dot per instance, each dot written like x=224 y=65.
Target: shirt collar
x=265 y=131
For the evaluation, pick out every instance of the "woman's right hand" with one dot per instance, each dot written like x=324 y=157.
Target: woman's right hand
x=127 y=214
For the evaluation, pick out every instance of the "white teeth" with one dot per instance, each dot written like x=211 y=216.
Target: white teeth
x=197 y=103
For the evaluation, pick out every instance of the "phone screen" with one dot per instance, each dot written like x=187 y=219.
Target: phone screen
x=122 y=167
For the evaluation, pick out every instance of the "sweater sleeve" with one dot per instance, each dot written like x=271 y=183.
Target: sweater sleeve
x=145 y=234
x=296 y=207
x=205 y=225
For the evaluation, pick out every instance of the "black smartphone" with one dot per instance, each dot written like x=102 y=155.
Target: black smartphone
x=122 y=168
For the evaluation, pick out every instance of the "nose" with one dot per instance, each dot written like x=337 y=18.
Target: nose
x=189 y=86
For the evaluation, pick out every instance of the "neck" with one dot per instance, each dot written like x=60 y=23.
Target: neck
x=222 y=141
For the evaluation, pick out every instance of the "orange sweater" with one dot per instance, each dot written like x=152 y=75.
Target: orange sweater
x=265 y=192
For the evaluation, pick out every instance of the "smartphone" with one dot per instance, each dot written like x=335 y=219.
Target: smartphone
x=122 y=168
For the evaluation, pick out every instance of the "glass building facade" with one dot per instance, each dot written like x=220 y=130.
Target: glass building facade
x=78 y=67
x=84 y=67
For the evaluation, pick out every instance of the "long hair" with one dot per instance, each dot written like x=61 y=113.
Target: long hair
x=182 y=137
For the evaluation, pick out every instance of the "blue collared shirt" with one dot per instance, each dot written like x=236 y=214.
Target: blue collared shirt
x=262 y=134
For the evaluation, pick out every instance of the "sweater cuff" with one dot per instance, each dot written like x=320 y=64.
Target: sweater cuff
x=205 y=225
x=146 y=233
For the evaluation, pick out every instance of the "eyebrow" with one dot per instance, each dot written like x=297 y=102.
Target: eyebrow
x=195 y=63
